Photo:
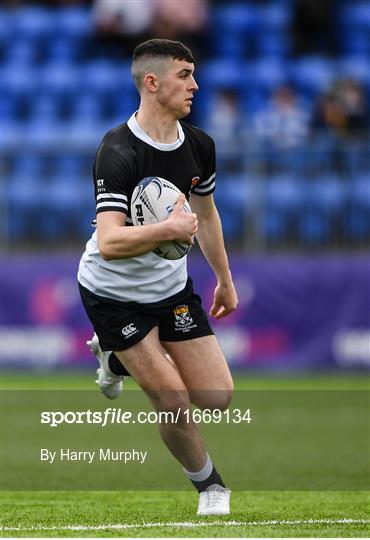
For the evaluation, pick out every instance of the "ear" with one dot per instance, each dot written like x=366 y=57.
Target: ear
x=151 y=82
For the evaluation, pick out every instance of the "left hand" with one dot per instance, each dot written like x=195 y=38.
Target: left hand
x=225 y=300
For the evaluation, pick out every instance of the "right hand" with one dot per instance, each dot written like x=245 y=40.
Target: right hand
x=183 y=225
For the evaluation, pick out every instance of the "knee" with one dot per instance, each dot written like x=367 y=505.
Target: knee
x=225 y=399
x=171 y=401
x=213 y=399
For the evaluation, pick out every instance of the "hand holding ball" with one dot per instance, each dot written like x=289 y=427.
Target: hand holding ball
x=153 y=201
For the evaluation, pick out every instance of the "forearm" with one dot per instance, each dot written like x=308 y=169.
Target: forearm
x=211 y=242
x=123 y=242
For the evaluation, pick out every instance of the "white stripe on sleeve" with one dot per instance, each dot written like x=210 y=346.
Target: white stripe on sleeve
x=111 y=196
x=112 y=203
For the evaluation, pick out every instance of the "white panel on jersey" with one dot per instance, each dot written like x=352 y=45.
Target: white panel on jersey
x=143 y=279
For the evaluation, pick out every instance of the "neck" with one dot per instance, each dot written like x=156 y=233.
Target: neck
x=157 y=123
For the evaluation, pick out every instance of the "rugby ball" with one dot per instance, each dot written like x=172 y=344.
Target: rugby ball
x=152 y=201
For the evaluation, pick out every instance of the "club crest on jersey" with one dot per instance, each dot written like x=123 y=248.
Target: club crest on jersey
x=182 y=316
x=195 y=181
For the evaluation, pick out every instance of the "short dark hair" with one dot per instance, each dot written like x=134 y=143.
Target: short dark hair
x=163 y=48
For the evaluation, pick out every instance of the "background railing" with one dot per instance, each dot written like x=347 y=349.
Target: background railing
x=313 y=197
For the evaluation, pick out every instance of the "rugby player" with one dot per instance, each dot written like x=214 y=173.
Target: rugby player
x=148 y=321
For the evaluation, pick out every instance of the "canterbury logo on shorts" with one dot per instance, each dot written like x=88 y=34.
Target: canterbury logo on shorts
x=129 y=330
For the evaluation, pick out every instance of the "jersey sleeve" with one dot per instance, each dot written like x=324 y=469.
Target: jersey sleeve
x=112 y=174
x=207 y=183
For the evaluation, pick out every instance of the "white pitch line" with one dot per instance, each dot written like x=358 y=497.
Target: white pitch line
x=192 y=524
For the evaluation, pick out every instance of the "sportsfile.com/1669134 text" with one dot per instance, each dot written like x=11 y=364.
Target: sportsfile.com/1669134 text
x=118 y=416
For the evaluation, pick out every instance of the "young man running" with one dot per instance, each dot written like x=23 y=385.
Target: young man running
x=132 y=296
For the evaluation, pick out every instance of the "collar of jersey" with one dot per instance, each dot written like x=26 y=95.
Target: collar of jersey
x=140 y=134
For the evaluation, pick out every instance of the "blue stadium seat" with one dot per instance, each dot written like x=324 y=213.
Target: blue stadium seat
x=254 y=100
x=235 y=17
x=33 y=22
x=273 y=43
x=124 y=105
x=13 y=135
x=6 y=17
x=314 y=227
x=69 y=167
x=355 y=41
x=328 y=193
x=354 y=28
x=66 y=211
x=102 y=76
x=88 y=106
x=23 y=199
x=319 y=155
x=63 y=50
x=28 y=165
x=215 y=76
x=357 y=216
x=356 y=157
x=74 y=22
x=324 y=203
x=284 y=198
x=273 y=16
x=45 y=107
x=222 y=73
x=356 y=67
x=235 y=199
x=273 y=36
x=233 y=29
x=8 y=107
x=266 y=74
x=60 y=79
x=312 y=75
x=83 y=136
x=356 y=225
x=19 y=84
x=19 y=81
x=43 y=134
x=355 y=16
x=21 y=53
x=285 y=192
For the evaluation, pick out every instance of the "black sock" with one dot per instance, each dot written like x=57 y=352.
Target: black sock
x=213 y=478
x=116 y=367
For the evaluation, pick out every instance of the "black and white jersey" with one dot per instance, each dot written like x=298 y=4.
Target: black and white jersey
x=126 y=156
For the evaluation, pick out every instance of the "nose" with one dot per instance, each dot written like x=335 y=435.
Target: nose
x=194 y=87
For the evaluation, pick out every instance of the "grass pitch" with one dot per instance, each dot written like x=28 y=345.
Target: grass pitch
x=172 y=514
x=164 y=514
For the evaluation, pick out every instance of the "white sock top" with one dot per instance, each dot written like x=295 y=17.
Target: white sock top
x=204 y=472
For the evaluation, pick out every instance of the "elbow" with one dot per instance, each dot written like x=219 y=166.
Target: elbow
x=105 y=255
x=104 y=251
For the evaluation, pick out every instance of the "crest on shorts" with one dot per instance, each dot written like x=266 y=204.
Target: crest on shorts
x=182 y=316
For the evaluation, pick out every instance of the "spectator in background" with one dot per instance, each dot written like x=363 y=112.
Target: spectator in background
x=313 y=27
x=123 y=23
x=126 y=22
x=343 y=111
x=183 y=21
x=48 y=3
x=284 y=124
x=226 y=125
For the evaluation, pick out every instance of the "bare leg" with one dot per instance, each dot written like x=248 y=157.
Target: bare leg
x=161 y=381
x=204 y=371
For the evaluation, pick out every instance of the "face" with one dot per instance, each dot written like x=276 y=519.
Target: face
x=177 y=87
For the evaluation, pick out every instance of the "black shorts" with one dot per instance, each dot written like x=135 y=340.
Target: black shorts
x=120 y=325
